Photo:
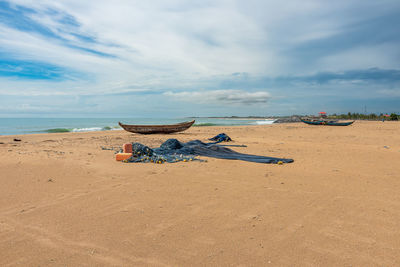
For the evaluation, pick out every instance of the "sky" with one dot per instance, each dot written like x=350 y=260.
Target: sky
x=155 y=58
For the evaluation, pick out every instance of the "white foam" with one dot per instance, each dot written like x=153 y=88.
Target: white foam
x=92 y=129
x=264 y=122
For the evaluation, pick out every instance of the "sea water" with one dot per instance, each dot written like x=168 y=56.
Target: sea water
x=16 y=126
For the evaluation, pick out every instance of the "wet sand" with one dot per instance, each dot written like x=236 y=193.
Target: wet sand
x=66 y=202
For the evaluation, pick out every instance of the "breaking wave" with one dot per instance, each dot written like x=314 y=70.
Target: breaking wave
x=265 y=122
x=88 y=129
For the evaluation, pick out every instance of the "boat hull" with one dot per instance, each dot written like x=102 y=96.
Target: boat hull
x=157 y=129
x=328 y=123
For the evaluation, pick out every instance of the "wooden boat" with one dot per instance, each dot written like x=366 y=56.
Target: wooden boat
x=160 y=129
x=329 y=123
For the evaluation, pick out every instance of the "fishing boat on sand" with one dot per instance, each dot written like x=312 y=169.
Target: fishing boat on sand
x=154 y=129
x=326 y=122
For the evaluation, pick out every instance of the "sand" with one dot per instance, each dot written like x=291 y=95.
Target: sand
x=66 y=202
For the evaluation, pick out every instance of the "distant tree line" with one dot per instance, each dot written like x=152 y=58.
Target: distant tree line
x=360 y=116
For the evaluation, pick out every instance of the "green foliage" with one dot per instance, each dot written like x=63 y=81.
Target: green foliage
x=394 y=117
x=359 y=116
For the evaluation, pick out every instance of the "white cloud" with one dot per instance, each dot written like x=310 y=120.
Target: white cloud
x=223 y=97
x=158 y=38
x=390 y=92
x=166 y=46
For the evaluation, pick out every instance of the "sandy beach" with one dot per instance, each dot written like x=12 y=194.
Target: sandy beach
x=66 y=202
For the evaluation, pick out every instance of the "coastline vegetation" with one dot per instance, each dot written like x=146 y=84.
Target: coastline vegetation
x=360 y=116
x=293 y=118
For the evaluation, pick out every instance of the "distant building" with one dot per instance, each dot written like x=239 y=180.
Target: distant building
x=322 y=114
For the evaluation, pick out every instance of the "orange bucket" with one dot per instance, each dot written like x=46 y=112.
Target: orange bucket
x=122 y=156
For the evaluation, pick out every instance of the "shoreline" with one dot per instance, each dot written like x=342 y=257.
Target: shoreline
x=93 y=127
x=288 y=120
x=114 y=128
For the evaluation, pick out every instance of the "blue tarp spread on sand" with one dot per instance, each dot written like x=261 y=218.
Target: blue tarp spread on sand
x=172 y=151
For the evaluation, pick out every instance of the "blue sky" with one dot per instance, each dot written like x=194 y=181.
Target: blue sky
x=198 y=58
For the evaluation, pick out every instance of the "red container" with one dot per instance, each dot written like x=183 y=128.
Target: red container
x=122 y=156
x=127 y=148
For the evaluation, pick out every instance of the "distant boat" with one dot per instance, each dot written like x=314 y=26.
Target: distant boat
x=154 y=129
x=329 y=123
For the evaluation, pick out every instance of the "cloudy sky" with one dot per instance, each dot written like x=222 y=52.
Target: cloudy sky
x=74 y=58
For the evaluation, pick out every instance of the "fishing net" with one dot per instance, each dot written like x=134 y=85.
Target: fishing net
x=221 y=138
x=173 y=151
x=167 y=152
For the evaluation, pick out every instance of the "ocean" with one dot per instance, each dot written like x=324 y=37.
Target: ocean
x=17 y=126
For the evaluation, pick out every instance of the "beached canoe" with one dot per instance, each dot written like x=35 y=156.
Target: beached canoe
x=329 y=123
x=160 y=129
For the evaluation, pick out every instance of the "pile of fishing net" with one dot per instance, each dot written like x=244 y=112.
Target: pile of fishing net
x=221 y=138
x=173 y=151
x=167 y=152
